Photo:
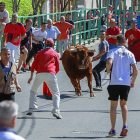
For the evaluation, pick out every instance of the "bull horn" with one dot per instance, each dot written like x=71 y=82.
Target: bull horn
x=92 y=50
x=73 y=50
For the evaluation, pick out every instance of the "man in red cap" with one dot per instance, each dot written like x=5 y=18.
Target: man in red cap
x=47 y=64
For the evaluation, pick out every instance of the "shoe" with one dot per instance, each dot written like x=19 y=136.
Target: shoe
x=30 y=112
x=124 y=131
x=56 y=114
x=23 y=69
x=25 y=66
x=112 y=133
x=97 y=88
x=18 y=71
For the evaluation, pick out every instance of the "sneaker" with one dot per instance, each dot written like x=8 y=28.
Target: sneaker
x=18 y=71
x=124 y=131
x=97 y=88
x=30 y=112
x=23 y=69
x=112 y=133
x=25 y=66
x=57 y=115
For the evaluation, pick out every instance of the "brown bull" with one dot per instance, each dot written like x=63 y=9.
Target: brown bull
x=77 y=64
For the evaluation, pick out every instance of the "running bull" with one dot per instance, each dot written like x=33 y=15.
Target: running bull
x=77 y=64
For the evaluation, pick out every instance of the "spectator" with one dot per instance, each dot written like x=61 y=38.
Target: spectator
x=4 y=18
x=68 y=17
x=64 y=28
x=112 y=33
x=47 y=61
x=8 y=115
x=38 y=37
x=87 y=23
x=103 y=23
x=8 y=76
x=52 y=31
x=118 y=65
x=110 y=12
x=26 y=45
x=132 y=34
x=103 y=50
x=118 y=18
x=14 y=32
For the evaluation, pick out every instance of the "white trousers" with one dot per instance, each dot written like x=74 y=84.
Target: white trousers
x=61 y=43
x=51 y=81
x=15 y=52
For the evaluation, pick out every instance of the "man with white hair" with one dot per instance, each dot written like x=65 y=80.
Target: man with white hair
x=8 y=115
x=14 y=32
x=64 y=27
x=52 y=31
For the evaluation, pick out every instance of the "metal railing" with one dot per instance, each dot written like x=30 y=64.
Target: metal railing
x=80 y=33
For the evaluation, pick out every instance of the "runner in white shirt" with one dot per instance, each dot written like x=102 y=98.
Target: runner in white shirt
x=4 y=18
x=37 y=41
x=118 y=65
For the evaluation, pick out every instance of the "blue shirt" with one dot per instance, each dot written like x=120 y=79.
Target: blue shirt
x=6 y=70
x=71 y=22
x=7 y=133
x=101 y=45
x=51 y=32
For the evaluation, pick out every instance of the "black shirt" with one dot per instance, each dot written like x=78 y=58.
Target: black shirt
x=71 y=22
x=26 y=39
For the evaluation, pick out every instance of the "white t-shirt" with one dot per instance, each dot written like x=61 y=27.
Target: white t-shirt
x=10 y=136
x=3 y=14
x=122 y=59
x=39 y=35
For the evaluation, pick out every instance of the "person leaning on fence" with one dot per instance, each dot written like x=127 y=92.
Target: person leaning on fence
x=8 y=76
x=37 y=41
x=64 y=28
x=118 y=66
x=4 y=18
x=25 y=47
x=52 y=31
x=111 y=34
x=47 y=61
x=8 y=116
x=68 y=19
x=103 y=50
x=14 y=32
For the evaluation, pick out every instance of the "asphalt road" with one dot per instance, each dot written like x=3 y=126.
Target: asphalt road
x=84 y=117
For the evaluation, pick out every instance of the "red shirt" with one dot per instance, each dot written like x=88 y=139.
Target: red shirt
x=114 y=31
x=63 y=28
x=14 y=30
x=132 y=35
x=88 y=17
x=47 y=61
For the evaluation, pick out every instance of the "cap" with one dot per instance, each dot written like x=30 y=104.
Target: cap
x=134 y=20
x=113 y=20
x=49 y=41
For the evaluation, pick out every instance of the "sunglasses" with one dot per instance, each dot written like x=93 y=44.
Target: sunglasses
x=1 y=7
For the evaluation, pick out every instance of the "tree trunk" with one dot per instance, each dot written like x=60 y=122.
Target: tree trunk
x=15 y=5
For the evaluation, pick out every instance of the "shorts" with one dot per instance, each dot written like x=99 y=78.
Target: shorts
x=4 y=96
x=118 y=90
